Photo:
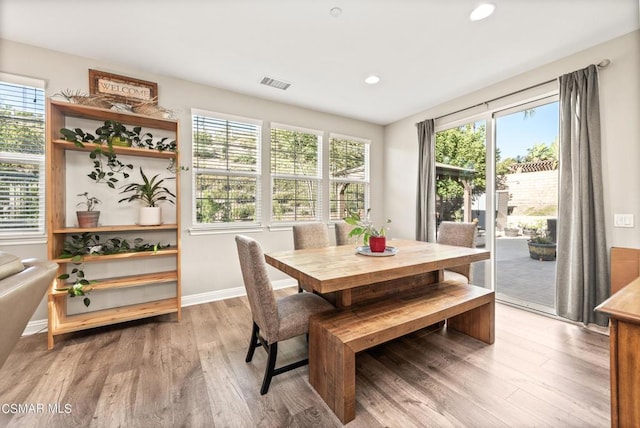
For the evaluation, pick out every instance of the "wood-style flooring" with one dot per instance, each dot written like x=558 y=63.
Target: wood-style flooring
x=160 y=373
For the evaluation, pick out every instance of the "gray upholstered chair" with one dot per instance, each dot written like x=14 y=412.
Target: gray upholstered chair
x=23 y=283
x=274 y=320
x=310 y=235
x=343 y=229
x=461 y=235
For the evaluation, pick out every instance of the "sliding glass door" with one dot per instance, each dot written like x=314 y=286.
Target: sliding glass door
x=461 y=154
x=526 y=201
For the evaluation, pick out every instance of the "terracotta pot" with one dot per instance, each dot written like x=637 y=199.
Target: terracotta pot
x=88 y=219
x=377 y=244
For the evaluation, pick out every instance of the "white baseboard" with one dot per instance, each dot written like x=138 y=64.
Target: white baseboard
x=40 y=326
x=37 y=326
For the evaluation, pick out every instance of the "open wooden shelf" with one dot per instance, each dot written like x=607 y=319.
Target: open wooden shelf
x=121 y=256
x=64 y=115
x=101 y=114
x=116 y=228
x=124 y=282
x=129 y=151
x=109 y=316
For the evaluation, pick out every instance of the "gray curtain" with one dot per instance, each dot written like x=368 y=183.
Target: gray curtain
x=582 y=267
x=426 y=200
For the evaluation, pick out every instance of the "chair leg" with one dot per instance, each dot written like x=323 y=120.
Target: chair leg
x=255 y=341
x=300 y=289
x=271 y=365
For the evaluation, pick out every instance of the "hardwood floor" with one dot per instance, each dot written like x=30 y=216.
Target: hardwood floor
x=160 y=373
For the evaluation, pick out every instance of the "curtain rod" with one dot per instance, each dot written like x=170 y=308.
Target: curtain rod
x=602 y=64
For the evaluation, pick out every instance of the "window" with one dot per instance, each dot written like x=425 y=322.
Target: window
x=226 y=164
x=349 y=176
x=296 y=174
x=21 y=159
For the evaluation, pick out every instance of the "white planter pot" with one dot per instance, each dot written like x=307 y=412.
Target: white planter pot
x=150 y=216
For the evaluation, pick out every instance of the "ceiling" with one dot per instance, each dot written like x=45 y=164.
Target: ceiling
x=426 y=52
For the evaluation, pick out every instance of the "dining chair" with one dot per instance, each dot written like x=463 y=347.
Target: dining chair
x=461 y=235
x=310 y=235
x=274 y=320
x=342 y=229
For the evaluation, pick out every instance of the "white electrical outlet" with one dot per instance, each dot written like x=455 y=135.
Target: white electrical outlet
x=623 y=220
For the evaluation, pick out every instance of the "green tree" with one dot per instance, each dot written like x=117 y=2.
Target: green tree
x=541 y=152
x=463 y=146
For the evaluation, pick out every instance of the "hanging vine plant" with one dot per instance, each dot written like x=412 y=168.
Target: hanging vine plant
x=107 y=168
x=76 y=247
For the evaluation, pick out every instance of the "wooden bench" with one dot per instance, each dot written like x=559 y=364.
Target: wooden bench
x=335 y=337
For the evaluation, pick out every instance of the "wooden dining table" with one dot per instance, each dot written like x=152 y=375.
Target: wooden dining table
x=347 y=277
x=379 y=298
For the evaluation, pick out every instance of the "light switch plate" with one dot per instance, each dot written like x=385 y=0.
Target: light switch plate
x=623 y=220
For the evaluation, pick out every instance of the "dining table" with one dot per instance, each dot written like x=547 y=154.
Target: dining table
x=348 y=275
x=379 y=297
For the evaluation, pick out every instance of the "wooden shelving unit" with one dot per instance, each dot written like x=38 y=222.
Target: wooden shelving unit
x=58 y=113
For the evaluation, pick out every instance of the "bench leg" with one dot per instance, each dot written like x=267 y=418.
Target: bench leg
x=332 y=371
x=478 y=323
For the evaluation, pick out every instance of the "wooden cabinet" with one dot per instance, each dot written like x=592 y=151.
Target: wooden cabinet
x=145 y=271
x=624 y=310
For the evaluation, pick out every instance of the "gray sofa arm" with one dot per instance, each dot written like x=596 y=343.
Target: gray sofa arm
x=20 y=295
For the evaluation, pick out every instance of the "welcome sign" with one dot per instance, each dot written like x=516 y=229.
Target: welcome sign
x=122 y=88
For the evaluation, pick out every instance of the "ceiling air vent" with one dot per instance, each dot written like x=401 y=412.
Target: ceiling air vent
x=275 y=83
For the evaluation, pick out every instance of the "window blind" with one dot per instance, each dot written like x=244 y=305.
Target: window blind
x=349 y=177
x=226 y=163
x=22 y=143
x=296 y=173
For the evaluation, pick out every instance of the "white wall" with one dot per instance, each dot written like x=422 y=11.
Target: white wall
x=209 y=262
x=620 y=115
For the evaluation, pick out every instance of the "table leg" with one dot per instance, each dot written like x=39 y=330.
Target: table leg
x=478 y=323
x=332 y=371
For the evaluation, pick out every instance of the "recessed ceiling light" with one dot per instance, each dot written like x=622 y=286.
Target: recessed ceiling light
x=372 y=79
x=335 y=12
x=482 y=11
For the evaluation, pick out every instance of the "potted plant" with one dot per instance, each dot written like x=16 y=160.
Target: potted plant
x=88 y=218
x=511 y=231
x=374 y=238
x=542 y=248
x=149 y=192
x=115 y=134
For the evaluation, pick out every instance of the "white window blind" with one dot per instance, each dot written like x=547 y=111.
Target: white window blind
x=296 y=175
x=349 y=176
x=22 y=150
x=226 y=164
